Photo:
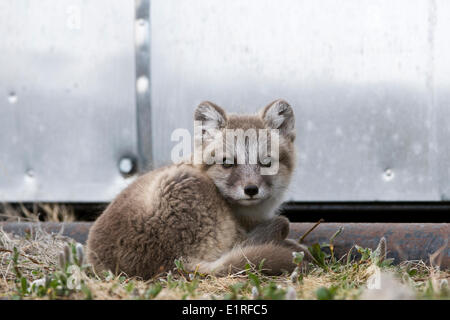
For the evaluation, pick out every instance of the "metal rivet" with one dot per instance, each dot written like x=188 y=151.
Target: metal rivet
x=30 y=173
x=12 y=97
x=388 y=175
x=142 y=84
x=126 y=166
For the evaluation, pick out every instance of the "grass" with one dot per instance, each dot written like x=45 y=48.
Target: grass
x=46 y=266
x=52 y=212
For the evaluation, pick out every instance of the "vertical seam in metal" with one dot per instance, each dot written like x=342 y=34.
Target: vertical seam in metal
x=142 y=84
x=432 y=107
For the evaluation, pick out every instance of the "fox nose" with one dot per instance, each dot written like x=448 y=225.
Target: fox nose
x=251 y=190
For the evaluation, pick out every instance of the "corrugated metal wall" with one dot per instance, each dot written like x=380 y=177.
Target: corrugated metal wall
x=86 y=84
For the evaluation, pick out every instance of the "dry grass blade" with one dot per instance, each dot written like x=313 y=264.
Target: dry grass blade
x=438 y=255
x=302 y=238
x=52 y=212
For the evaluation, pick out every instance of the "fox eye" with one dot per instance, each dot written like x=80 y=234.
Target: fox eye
x=226 y=164
x=266 y=163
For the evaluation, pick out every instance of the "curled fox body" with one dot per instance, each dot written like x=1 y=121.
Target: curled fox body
x=217 y=217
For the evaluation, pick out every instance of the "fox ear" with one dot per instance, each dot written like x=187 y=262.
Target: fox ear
x=279 y=115
x=211 y=115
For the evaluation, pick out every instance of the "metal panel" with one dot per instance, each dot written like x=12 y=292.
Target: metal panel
x=441 y=95
x=369 y=82
x=67 y=106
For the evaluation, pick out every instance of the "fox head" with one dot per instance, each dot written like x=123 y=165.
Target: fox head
x=254 y=167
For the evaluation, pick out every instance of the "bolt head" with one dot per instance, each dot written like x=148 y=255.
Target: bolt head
x=126 y=166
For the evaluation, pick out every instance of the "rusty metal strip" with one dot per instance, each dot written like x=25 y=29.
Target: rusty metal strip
x=405 y=241
x=75 y=230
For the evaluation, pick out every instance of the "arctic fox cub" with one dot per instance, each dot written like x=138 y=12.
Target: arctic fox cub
x=217 y=217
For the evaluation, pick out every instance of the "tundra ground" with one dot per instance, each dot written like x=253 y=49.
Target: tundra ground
x=50 y=266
